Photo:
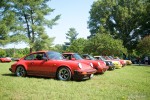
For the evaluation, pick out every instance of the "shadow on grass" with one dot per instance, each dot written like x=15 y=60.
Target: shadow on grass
x=9 y=74
x=140 y=65
x=28 y=76
x=42 y=77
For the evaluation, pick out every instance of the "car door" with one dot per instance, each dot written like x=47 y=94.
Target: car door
x=38 y=66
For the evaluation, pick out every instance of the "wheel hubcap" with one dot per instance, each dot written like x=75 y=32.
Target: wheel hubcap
x=64 y=74
x=20 y=71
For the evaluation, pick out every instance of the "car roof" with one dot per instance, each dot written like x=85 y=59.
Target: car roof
x=68 y=53
x=42 y=51
x=96 y=56
x=85 y=54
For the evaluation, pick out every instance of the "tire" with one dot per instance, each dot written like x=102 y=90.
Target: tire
x=20 y=71
x=112 y=68
x=64 y=74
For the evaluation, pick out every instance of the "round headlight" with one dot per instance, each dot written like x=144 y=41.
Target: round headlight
x=91 y=64
x=105 y=63
x=80 y=65
x=99 y=63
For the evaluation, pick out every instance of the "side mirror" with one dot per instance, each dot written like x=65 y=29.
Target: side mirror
x=44 y=58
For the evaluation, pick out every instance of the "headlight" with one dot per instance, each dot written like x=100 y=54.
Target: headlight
x=91 y=64
x=99 y=64
x=80 y=65
x=111 y=63
x=105 y=63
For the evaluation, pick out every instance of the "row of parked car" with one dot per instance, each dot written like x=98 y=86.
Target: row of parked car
x=65 y=66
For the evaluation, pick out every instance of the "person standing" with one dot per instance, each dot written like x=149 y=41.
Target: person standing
x=146 y=60
x=139 y=60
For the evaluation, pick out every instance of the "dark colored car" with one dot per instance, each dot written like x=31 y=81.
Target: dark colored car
x=108 y=63
x=51 y=64
x=101 y=68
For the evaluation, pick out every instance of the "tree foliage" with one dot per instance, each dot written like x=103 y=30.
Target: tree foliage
x=16 y=53
x=71 y=35
x=77 y=45
x=127 y=20
x=27 y=20
x=58 y=48
x=2 y=53
x=104 y=44
x=7 y=21
x=143 y=46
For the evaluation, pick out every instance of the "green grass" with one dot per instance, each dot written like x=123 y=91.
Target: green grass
x=128 y=83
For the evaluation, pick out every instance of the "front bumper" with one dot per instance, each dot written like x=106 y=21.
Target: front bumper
x=118 y=66
x=101 y=70
x=83 y=74
x=10 y=69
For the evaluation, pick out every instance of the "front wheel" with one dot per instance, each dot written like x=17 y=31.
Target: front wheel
x=20 y=71
x=64 y=74
x=112 y=68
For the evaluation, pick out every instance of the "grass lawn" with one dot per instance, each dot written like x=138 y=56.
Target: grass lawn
x=128 y=83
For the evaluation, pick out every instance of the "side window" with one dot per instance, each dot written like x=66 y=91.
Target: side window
x=96 y=58
x=30 y=57
x=38 y=56
x=84 y=56
x=68 y=57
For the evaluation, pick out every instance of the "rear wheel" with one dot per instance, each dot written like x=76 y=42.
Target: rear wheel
x=20 y=71
x=64 y=74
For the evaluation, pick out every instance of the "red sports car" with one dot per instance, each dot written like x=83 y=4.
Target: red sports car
x=100 y=67
x=51 y=64
x=5 y=59
x=108 y=64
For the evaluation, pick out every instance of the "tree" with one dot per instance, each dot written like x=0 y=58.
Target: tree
x=58 y=48
x=2 y=53
x=72 y=35
x=104 y=44
x=77 y=45
x=17 y=53
x=6 y=21
x=29 y=20
x=43 y=43
x=127 y=20
x=143 y=46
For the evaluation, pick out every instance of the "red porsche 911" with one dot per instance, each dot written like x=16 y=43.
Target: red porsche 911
x=51 y=64
x=5 y=59
x=99 y=66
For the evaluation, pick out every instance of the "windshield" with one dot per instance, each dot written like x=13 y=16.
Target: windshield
x=102 y=58
x=77 y=56
x=110 y=57
x=92 y=58
x=54 y=55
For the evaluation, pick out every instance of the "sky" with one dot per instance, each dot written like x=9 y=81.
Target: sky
x=74 y=14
